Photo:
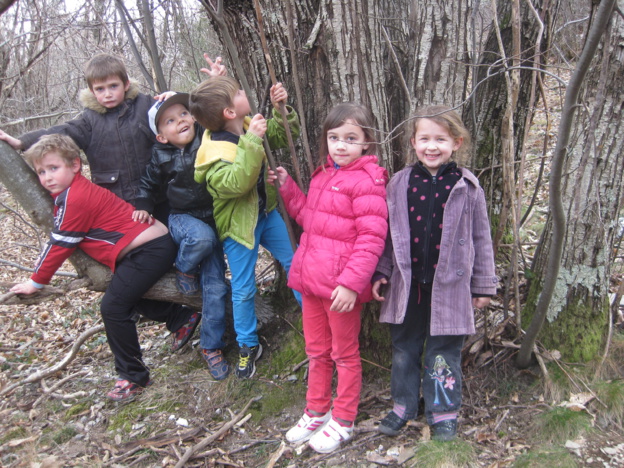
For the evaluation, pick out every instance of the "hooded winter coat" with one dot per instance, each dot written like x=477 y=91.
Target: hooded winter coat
x=344 y=220
x=117 y=142
x=465 y=266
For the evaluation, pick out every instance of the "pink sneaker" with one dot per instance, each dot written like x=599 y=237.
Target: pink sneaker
x=306 y=427
x=330 y=436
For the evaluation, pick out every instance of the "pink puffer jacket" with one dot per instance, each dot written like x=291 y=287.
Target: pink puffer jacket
x=344 y=220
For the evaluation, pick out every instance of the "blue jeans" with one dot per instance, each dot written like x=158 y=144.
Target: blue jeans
x=199 y=248
x=442 y=376
x=271 y=233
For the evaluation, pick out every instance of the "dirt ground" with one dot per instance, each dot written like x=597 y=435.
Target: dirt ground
x=64 y=419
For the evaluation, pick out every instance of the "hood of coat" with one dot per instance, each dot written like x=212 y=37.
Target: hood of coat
x=88 y=100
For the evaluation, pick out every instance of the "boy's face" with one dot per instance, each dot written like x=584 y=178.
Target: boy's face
x=110 y=92
x=175 y=126
x=240 y=104
x=54 y=173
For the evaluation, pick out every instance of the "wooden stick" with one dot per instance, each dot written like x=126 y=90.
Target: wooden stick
x=49 y=391
x=208 y=440
x=42 y=374
x=295 y=69
x=277 y=455
x=282 y=106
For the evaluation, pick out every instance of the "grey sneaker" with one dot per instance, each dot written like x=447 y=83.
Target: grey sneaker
x=392 y=424
x=247 y=361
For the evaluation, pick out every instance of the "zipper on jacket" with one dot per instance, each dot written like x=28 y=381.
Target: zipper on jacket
x=313 y=213
x=429 y=224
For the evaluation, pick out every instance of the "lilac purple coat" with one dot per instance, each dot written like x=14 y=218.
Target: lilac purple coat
x=344 y=220
x=465 y=266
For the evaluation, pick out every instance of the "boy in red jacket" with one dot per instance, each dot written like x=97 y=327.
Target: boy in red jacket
x=100 y=223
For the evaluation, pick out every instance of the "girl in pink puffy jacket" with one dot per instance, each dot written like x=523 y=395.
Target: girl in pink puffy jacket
x=344 y=220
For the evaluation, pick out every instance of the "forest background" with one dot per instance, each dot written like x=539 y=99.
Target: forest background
x=539 y=85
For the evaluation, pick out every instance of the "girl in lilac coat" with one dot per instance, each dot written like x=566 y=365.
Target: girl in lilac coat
x=438 y=264
x=344 y=229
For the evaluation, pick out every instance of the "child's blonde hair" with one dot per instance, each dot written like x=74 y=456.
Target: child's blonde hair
x=447 y=118
x=210 y=98
x=338 y=116
x=103 y=66
x=62 y=145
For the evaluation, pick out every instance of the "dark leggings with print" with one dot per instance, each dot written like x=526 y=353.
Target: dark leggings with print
x=441 y=377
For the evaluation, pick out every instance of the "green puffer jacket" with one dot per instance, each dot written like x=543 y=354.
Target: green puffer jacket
x=231 y=173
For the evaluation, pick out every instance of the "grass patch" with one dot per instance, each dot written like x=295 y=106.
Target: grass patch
x=77 y=409
x=611 y=393
x=63 y=434
x=552 y=457
x=126 y=415
x=561 y=424
x=433 y=454
x=17 y=433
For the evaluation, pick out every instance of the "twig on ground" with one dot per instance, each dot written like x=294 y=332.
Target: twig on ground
x=6 y=297
x=42 y=374
x=244 y=420
x=48 y=391
x=291 y=325
x=140 y=459
x=296 y=367
x=375 y=364
x=123 y=456
x=153 y=443
x=205 y=454
x=226 y=427
x=248 y=446
x=374 y=396
x=501 y=419
x=276 y=455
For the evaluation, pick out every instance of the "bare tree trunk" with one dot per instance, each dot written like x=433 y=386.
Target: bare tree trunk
x=573 y=262
x=343 y=55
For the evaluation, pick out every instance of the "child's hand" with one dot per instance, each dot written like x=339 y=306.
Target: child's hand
x=377 y=286
x=344 y=299
x=480 y=302
x=279 y=174
x=258 y=126
x=14 y=142
x=164 y=96
x=215 y=68
x=24 y=288
x=142 y=216
x=278 y=94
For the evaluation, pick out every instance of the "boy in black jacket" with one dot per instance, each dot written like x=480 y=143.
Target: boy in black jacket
x=191 y=222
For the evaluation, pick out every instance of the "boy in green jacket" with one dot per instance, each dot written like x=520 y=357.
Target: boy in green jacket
x=232 y=163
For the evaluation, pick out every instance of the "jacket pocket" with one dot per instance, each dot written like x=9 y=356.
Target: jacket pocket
x=105 y=177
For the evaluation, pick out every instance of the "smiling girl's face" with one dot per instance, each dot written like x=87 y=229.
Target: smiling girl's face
x=433 y=144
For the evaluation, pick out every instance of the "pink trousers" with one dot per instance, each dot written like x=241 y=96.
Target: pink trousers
x=332 y=338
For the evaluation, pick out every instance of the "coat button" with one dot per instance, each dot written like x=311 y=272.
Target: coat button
x=460 y=272
x=494 y=279
x=462 y=241
x=113 y=178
